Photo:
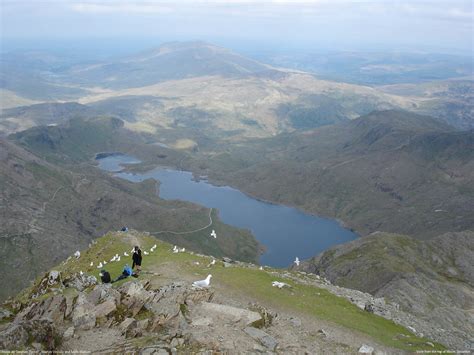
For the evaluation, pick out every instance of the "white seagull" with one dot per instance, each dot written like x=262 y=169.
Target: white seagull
x=260 y=268
x=113 y=259
x=145 y=252
x=213 y=234
x=182 y=250
x=213 y=262
x=279 y=284
x=105 y=262
x=203 y=283
x=99 y=266
x=297 y=261
x=81 y=273
x=92 y=263
x=77 y=254
x=125 y=253
x=175 y=249
x=118 y=259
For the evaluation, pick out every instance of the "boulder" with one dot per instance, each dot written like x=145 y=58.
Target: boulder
x=103 y=292
x=82 y=317
x=52 y=308
x=228 y=313
x=80 y=282
x=5 y=313
x=266 y=340
x=170 y=300
x=128 y=326
x=69 y=333
x=21 y=334
x=366 y=349
x=105 y=308
x=134 y=296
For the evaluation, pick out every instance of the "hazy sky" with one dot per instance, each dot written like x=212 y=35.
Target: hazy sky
x=331 y=23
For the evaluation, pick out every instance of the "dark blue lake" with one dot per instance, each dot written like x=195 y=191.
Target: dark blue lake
x=285 y=232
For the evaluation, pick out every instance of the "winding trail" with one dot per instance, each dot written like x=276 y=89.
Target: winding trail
x=192 y=231
x=52 y=198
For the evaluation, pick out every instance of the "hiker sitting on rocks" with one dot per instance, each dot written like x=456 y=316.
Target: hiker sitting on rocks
x=137 y=259
x=105 y=277
x=127 y=271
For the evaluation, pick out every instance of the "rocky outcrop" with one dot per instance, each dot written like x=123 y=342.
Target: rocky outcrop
x=42 y=322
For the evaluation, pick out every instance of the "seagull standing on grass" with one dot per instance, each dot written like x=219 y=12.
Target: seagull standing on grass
x=105 y=262
x=182 y=250
x=213 y=262
x=145 y=252
x=118 y=259
x=125 y=253
x=213 y=234
x=99 y=266
x=77 y=254
x=175 y=249
x=92 y=263
x=279 y=284
x=297 y=261
x=203 y=283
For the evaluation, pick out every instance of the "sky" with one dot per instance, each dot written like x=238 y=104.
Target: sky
x=336 y=24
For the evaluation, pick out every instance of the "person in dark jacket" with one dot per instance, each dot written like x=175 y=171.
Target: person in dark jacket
x=105 y=277
x=137 y=259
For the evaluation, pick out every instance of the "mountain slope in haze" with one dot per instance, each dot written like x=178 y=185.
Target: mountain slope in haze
x=450 y=100
x=49 y=211
x=250 y=106
x=171 y=61
x=433 y=279
x=392 y=171
x=24 y=117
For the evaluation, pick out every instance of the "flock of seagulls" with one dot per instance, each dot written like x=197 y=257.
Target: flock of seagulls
x=115 y=258
x=200 y=283
x=178 y=250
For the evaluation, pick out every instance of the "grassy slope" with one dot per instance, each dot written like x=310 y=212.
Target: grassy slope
x=247 y=282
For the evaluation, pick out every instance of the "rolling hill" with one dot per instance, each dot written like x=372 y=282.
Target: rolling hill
x=170 y=61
